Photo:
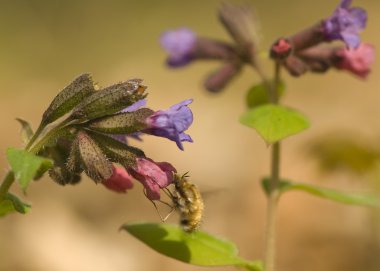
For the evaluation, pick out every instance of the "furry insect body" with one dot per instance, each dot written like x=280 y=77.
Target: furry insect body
x=188 y=202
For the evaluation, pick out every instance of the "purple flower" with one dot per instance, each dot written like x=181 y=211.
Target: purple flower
x=179 y=43
x=154 y=176
x=345 y=24
x=171 y=123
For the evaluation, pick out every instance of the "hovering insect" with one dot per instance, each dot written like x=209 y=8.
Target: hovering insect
x=187 y=201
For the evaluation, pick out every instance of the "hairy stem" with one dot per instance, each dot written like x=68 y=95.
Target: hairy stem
x=273 y=194
x=6 y=184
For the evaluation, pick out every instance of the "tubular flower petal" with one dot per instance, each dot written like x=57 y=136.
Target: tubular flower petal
x=120 y=180
x=345 y=24
x=358 y=61
x=171 y=123
x=153 y=176
x=179 y=44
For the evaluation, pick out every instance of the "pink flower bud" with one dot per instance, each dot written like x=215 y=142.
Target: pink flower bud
x=120 y=180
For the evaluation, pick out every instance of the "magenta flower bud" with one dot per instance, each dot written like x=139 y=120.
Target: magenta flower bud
x=281 y=49
x=358 y=61
x=120 y=181
x=154 y=176
x=345 y=24
x=171 y=123
x=179 y=44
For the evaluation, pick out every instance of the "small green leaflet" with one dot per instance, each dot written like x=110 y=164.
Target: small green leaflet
x=258 y=94
x=13 y=204
x=197 y=248
x=26 y=166
x=274 y=122
x=26 y=130
x=326 y=193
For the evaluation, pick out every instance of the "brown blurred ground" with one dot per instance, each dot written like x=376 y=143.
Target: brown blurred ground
x=45 y=44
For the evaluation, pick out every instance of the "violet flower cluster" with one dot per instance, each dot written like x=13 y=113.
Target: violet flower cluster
x=93 y=138
x=299 y=53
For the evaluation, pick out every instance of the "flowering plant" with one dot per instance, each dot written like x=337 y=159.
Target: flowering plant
x=305 y=51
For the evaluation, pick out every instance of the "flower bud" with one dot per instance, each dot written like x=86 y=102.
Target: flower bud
x=69 y=97
x=117 y=151
x=218 y=80
x=281 y=49
x=92 y=159
x=63 y=176
x=120 y=180
x=109 y=100
x=121 y=123
x=240 y=22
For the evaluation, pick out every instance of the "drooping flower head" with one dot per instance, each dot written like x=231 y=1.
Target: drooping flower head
x=358 y=61
x=120 y=180
x=171 y=123
x=345 y=24
x=179 y=43
x=154 y=176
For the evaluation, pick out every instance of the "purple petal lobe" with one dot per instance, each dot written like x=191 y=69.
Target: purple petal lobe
x=172 y=123
x=179 y=44
x=345 y=24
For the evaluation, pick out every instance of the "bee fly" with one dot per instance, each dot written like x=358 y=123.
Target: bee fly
x=187 y=201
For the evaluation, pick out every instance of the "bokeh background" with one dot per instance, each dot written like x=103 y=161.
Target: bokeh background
x=46 y=43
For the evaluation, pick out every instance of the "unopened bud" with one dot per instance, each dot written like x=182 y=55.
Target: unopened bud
x=219 y=79
x=295 y=66
x=242 y=25
x=93 y=160
x=121 y=123
x=117 y=151
x=110 y=100
x=62 y=176
x=281 y=49
x=69 y=97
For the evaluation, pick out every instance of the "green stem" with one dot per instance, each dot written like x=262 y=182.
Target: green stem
x=53 y=133
x=35 y=135
x=6 y=184
x=270 y=252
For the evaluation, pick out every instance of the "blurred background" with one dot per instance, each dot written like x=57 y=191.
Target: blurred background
x=47 y=43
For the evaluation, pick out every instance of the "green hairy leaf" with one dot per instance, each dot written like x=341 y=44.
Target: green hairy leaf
x=12 y=204
x=26 y=166
x=326 y=193
x=258 y=94
x=197 y=248
x=274 y=123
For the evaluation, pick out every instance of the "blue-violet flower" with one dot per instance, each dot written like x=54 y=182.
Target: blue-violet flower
x=171 y=123
x=345 y=24
x=179 y=44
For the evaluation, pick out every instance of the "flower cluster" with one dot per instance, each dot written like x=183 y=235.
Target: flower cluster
x=308 y=52
x=301 y=52
x=93 y=137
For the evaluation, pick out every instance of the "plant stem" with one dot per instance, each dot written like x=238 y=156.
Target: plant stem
x=273 y=194
x=6 y=184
